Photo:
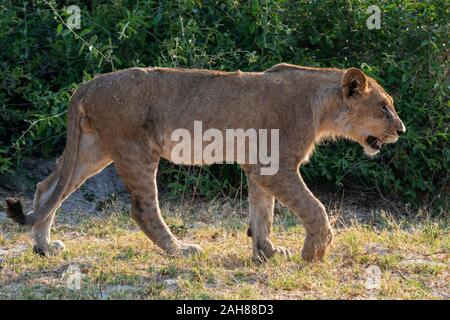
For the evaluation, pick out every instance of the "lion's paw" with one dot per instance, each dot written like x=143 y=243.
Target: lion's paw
x=264 y=255
x=315 y=247
x=53 y=249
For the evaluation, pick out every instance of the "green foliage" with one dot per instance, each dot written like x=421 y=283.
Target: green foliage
x=42 y=62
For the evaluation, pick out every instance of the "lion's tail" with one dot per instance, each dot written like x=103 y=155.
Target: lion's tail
x=13 y=206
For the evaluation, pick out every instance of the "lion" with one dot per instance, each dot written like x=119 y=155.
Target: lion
x=127 y=117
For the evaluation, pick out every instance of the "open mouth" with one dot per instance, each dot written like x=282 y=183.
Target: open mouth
x=374 y=143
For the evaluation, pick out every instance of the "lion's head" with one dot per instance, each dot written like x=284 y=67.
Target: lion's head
x=370 y=119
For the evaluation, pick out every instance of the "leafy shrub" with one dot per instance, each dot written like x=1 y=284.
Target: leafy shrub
x=42 y=62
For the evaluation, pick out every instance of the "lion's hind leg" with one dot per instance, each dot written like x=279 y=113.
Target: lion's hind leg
x=90 y=160
x=140 y=180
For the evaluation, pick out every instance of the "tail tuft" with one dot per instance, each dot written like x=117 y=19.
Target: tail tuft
x=13 y=209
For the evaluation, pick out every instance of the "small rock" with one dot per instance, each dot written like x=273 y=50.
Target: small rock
x=211 y=285
x=11 y=253
x=419 y=261
x=171 y=284
x=14 y=252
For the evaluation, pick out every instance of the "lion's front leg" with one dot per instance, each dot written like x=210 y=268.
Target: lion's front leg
x=261 y=206
x=289 y=188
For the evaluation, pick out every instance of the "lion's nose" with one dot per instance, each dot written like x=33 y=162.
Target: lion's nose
x=401 y=128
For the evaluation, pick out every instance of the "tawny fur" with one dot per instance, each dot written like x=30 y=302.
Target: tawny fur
x=127 y=117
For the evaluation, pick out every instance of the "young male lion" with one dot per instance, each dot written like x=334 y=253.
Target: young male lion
x=127 y=117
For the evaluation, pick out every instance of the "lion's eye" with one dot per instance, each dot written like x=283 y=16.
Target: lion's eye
x=384 y=108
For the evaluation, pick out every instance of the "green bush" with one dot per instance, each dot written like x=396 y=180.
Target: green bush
x=42 y=62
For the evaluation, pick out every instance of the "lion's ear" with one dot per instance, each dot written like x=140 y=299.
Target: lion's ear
x=354 y=82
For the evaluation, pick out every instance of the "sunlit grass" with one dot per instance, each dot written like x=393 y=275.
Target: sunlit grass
x=117 y=261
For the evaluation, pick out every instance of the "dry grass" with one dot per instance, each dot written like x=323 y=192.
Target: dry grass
x=117 y=260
